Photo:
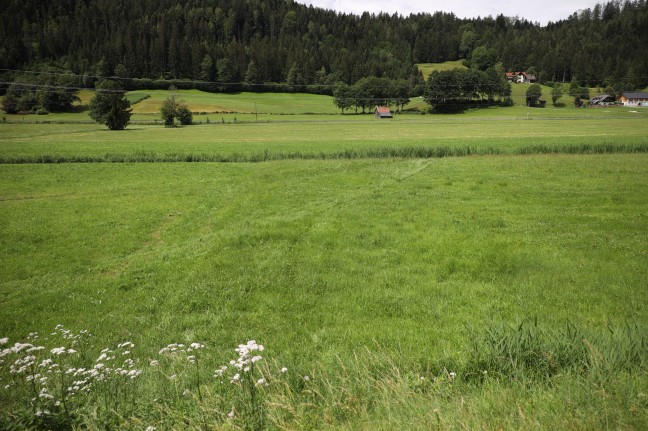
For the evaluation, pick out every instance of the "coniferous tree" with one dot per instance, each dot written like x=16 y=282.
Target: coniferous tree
x=110 y=106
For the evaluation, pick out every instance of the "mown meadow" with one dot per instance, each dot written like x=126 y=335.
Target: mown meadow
x=497 y=284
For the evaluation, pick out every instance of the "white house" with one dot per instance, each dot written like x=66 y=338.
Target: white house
x=634 y=99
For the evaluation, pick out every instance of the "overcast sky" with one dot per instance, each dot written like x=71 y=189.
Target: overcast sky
x=540 y=11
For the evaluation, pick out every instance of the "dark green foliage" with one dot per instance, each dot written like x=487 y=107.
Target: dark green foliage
x=10 y=103
x=47 y=89
x=462 y=87
x=370 y=92
x=483 y=58
x=556 y=92
x=575 y=90
x=172 y=109
x=533 y=94
x=110 y=106
x=219 y=41
x=343 y=96
x=184 y=115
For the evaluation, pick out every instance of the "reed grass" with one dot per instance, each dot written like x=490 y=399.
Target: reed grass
x=397 y=152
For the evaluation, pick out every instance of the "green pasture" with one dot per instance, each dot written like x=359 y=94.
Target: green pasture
x=319 y=258
x=275 y=107
x=373 y=269
x=428 y=68
x=214 y=103
x=321 y=137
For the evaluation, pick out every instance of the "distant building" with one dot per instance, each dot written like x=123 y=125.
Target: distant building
x=603 y=100
x=382 y=112
x=634 y=99
x=520 y=77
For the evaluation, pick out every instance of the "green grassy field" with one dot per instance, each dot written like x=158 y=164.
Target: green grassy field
x=376 y=276
x=428 y=68
x=328 y=137
x=414 y=247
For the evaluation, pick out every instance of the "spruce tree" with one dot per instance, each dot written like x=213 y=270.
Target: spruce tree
x=110 y=106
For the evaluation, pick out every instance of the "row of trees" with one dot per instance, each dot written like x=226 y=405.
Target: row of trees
x=280 y=41
x=40 y=93
x=466 y=86
x=371 y=91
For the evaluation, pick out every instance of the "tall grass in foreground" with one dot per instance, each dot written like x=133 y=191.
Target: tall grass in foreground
x=419 y=152
x=517 y=376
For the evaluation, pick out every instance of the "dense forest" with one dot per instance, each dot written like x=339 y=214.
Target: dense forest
x=280 y=41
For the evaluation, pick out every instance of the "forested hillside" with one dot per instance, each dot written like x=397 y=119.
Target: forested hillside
x=258 y=41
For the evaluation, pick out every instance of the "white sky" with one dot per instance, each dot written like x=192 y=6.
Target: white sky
x=540 y=11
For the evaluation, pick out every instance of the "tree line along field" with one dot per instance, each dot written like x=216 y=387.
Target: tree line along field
x=263 y=107
x=375 y=275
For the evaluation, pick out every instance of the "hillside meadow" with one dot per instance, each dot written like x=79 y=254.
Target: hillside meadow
x=391 y=288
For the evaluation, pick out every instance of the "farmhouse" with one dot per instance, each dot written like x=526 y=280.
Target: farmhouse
x=520 y=77
x=603 y=100
x=382 y=112
x=634 y=99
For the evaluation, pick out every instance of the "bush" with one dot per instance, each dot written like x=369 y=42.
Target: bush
x=172 y=109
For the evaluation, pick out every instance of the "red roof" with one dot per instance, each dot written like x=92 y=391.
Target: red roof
x=383 y=109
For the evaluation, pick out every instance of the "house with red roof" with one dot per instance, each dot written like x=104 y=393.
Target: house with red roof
x=520 y=77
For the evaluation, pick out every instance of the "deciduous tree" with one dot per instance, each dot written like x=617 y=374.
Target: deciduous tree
x=533 y=94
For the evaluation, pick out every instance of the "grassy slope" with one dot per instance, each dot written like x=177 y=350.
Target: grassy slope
x=428 y=68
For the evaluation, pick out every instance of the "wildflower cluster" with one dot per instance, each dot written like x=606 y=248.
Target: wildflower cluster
x=54 y=377
x=250 y=399
x=245 y=361
x=116 y=363
x=53 y=383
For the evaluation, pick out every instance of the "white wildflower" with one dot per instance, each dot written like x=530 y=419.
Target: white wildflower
x=306 y=378
x=58 y=351
x=154 y=363
x=44 y=394
x=452 y=375
x=261 y=382
x=284 y=370
x=4 y=341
